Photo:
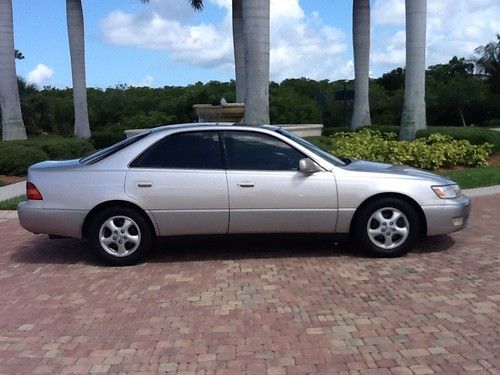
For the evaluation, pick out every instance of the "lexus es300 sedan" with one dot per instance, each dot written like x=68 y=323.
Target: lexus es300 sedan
x=197 y=179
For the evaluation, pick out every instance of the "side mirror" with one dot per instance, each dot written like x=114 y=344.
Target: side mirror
x=306 y=165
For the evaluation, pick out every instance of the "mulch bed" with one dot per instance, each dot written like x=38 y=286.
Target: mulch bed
x=11 y=179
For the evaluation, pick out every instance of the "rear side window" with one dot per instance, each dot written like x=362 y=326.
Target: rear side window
x=104 y=153
x=261 y=152
x=194 y=150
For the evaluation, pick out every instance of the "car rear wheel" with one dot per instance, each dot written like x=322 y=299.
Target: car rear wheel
x=121 y=235
x=387 y=227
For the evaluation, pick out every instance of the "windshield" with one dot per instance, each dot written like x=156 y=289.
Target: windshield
x=311 y=147
x=105 y=152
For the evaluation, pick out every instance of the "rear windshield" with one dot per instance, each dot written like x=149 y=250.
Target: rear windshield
x=105 y=152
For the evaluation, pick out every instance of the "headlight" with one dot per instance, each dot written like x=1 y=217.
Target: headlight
x=447 y=191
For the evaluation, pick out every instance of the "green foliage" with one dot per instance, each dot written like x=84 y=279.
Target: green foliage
x=476 y=136
x=58 y=148
x=17 y=156
x=433 y=152
x=453 y=96
x=11 y=204
x=475 y=177
x=103 y=139
x=493 y=123
x=487 y=60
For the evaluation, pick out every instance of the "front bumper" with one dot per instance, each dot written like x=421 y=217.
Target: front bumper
x=36 y=219
x=451 y=216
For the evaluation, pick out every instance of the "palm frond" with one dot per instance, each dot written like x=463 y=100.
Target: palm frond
x=196 y=4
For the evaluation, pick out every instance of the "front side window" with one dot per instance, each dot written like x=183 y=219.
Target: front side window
x=257 y=151
x=194 y=150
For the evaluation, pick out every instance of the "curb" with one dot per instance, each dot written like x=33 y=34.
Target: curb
x=482 y=191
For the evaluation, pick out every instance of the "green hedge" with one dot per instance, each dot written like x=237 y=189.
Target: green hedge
x=17 y=156
x=432 y=152
x=474 y=135
x=105 y=139
x=327 y=131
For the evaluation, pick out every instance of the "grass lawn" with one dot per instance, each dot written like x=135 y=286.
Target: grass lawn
x=11 y=204
x=475 y=177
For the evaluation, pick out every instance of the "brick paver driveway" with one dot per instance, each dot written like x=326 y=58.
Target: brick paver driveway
x=254 y=306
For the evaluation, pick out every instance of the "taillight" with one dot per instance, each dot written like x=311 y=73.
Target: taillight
x=32 y=192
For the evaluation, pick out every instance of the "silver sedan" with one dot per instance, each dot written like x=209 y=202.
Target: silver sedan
x=197 y=179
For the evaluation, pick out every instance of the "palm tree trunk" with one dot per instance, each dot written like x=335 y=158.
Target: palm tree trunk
x=361 y=45
x=256 y=16
x=74 y=16
x=239 y=50
x=10 y=105
x=413 y=118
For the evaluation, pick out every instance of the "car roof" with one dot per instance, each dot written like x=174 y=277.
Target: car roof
x=195 y=125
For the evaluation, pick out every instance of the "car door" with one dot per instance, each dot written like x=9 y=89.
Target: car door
x=182 y=182
x=267 y=192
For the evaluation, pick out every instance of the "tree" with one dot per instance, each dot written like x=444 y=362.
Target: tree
x=454 y=95
x=10 y=105
x=488 y=62
x=256 y=17
x=414 y=117
x=361 y=46
x=18 y=55
x=74 y=17
x=239 y=50
x=393 y=80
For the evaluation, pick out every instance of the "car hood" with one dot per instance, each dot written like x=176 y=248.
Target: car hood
x=399 y=170
x=56 y=164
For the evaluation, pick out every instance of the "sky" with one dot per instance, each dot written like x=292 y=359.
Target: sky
x=165 y=42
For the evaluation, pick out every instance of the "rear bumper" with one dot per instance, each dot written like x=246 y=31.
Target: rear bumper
x=451 y=216
x=67 y=223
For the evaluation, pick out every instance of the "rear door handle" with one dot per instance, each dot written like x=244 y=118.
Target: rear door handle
x=246 y=184
x=144 y=184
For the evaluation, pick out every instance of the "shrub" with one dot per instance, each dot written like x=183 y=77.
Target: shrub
x=106 y=138
x=493 y=123
x=433 y=152
x=476 y=136
x=17 y=156
x=63 y=148
x=327 y=131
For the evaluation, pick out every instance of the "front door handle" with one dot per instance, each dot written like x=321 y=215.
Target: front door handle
x=144 y=184
x=246 y=184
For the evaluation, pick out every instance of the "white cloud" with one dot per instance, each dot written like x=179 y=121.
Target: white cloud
x=305 y=44
x=298 y=41
x=40 y=75
x=454 y=27
x=388 y=12
x=147 y=81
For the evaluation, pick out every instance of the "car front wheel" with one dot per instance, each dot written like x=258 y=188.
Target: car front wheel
x=121 y=236
x=387 y=227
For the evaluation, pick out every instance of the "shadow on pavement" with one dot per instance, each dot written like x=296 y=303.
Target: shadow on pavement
x=185 y=249
x=434 y=244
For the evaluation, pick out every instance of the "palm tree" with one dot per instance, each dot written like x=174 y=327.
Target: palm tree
x=256 y=16
x=18 y=55
x=10 y=105
x=488 y=62
x=74 y=17
x=361 y=46
x=239 y=50
x=414 y=118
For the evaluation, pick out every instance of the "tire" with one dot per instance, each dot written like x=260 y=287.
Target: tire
x=387 y=227
x=121 y=236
